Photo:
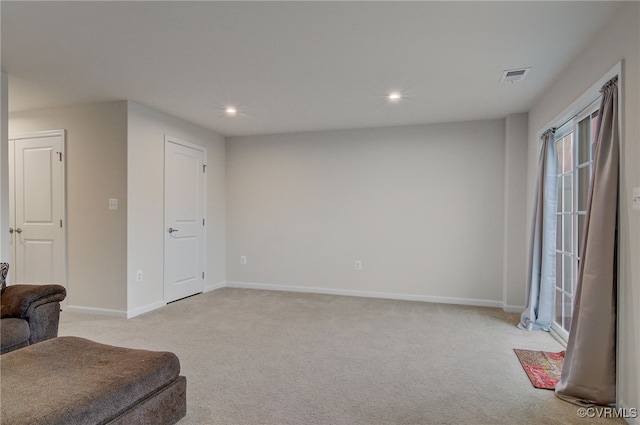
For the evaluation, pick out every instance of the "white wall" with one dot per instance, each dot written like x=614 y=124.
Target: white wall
x=4 y=168
x=619 y=41
x=96 y=170
x=4 y=165
x=421 y=206
x=515 y=233
x=145 y=164
x=116 y=150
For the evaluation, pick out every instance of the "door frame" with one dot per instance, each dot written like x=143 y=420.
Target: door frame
x=63 y=193
x=176 y=141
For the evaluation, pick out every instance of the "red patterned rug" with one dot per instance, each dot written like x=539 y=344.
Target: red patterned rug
x=542 y=367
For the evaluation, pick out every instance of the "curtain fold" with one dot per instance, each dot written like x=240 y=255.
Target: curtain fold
x=542 y=264
x=589 y=371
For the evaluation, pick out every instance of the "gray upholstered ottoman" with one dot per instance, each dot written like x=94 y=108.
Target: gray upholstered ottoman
x=69 y=380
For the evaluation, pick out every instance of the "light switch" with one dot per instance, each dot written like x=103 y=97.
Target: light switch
x=635 y=200
x=113 y=204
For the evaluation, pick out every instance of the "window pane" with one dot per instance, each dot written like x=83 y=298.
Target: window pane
x=581 y=218
x=568 y=308
x=594 y=129
x=568 y=285
x=567 y=273
x=584 y=175
x=559 y=271
x=559 y=232
x=567 y=233
x=559 y=149
x=567 y=193
x=584 y=140
x=558 y=313
x=559 y=209
x=567 y=153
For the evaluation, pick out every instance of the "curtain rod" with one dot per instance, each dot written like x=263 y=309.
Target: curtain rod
x=589 y=106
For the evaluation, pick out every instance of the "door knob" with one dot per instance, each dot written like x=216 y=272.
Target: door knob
x=171 y=230
x=19 y=230
x=10 y=229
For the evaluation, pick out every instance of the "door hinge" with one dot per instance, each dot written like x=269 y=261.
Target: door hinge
x=61 y=223
x=203 y=221
x=59 y=156
x=204 y=168
x=203 y=275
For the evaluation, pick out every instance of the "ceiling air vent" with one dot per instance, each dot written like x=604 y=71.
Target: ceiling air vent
x=514 y=75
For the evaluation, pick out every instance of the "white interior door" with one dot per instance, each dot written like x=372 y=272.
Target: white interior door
x=184 y=209
x=36 y=182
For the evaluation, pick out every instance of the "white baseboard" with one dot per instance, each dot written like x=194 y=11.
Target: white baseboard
x=114 y=313
x=95 y=311
x=209 y=288
x=130 y=313
x=145 y=309
x=366 y=294
x=513 y=308
x=311 y=290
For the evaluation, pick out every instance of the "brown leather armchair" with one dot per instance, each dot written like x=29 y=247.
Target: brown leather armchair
x=28 y=313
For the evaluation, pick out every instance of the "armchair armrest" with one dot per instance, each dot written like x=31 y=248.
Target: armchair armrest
x=20 y=300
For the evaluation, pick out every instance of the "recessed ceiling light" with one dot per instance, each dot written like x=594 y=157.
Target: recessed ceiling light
x=231 y=111
x=394 y=96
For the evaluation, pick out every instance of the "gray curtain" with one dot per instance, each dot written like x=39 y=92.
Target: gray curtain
x=542 y=262
x=589 y=371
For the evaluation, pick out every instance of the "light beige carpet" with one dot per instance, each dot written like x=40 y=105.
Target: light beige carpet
x=276 y=358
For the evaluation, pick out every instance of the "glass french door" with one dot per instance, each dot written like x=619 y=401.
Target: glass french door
x=575 y=142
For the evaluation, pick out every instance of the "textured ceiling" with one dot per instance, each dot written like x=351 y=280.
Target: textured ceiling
x=293 y=66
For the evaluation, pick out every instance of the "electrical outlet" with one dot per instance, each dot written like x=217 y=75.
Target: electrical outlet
x=139 y=276
x=113 y=204
x=358 y=265
x=243 y=259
